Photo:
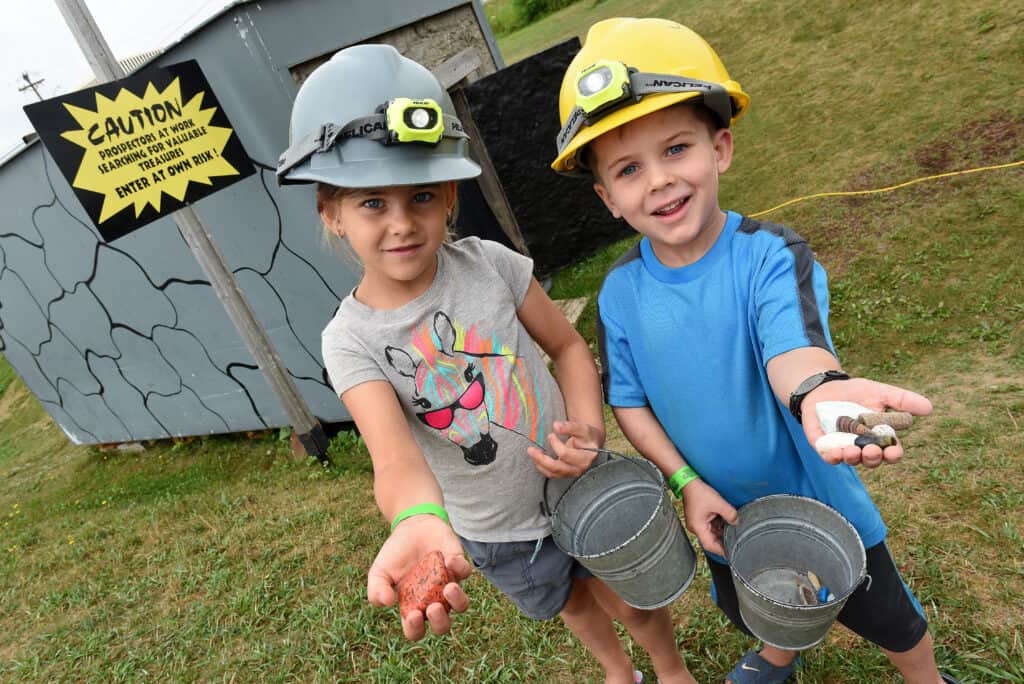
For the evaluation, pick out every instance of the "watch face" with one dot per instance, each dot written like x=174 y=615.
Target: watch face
x=810 y=383
x=818 y=378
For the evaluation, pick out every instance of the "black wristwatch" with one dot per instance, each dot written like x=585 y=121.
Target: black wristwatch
x=808 y=386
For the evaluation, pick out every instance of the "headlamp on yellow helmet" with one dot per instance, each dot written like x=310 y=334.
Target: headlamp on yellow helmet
x=606 y=86
x=602 y=85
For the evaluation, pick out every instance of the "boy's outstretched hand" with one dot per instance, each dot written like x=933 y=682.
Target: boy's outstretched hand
x=703 y=507
x=412 y=539
x=873 y=395
x=571 y=457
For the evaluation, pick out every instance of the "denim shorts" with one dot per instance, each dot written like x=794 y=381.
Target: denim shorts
x=539 y=588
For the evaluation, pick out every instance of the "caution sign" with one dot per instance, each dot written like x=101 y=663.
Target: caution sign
x=141 y=147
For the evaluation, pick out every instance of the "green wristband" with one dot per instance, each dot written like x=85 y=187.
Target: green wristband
x=420 y=509
x=680 y=479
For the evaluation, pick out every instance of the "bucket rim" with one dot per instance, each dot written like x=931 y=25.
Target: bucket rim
x=643 y=528
x=839 y=599
x=610 y=455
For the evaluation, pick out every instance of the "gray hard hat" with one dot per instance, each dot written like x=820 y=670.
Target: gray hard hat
x=340 y=135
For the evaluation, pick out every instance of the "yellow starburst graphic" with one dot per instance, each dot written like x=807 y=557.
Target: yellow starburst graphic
x=137 y=148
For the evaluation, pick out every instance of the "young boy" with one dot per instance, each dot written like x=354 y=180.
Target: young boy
x=713 y=330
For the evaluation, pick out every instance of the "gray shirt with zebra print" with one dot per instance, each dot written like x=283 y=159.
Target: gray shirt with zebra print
x=472 y=383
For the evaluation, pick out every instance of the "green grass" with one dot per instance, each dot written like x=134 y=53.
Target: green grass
x=227 y=559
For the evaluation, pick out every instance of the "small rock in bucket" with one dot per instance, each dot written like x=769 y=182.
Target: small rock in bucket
x=808 y=588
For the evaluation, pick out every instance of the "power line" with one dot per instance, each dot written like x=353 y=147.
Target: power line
x=31 y=84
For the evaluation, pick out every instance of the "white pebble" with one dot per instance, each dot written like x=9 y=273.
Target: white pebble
x=834 y=440
x=883 y=430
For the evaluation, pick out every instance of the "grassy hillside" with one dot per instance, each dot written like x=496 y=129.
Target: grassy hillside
x=226 y=559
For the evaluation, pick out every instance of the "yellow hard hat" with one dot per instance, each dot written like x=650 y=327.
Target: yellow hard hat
x=628 y=68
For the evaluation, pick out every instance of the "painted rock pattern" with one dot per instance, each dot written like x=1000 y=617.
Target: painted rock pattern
x=423 y=585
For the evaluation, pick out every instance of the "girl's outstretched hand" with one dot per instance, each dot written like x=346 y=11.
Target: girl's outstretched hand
x=571 y=445
x=868 y=393
x=412 y=539
x=704 y=509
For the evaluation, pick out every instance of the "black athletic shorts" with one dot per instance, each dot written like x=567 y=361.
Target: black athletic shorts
x=882 y=610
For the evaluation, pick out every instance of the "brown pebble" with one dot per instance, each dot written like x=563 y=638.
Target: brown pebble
x=897 y=420
x=848 y=424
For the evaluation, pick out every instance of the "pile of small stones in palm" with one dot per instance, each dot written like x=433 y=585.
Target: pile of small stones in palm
x=846 y=423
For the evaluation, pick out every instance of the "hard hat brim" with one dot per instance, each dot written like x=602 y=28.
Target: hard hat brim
x=376 y=173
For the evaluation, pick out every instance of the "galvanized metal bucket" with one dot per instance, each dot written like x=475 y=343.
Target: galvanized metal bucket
x=779 y=539
x=618 y=521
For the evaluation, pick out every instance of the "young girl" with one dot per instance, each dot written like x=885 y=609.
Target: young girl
x=435 y=356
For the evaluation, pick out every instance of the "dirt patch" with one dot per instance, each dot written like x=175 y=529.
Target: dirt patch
x=863 y=222
x=992 y=141
x=995 y=140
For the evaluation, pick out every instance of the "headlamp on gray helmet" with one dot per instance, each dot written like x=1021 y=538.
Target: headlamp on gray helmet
x=398 y=121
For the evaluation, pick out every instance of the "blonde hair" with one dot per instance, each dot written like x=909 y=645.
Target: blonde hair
x=327 y=195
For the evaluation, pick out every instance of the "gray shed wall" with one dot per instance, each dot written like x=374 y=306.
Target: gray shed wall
x=127 y=340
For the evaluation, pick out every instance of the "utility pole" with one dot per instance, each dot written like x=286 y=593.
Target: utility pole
x=306 y=429
x=31 y=84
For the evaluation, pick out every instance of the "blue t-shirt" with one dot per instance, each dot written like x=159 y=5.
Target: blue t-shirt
x=692 y=343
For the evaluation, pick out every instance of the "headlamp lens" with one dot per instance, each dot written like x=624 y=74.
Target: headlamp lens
x=595 y=81
x=602 y=85
x=419 y=118
x=414 y=120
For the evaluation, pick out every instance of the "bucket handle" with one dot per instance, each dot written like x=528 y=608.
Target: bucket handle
x=545 y=508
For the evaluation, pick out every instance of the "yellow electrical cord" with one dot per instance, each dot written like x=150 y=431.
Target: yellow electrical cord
x=850 y=193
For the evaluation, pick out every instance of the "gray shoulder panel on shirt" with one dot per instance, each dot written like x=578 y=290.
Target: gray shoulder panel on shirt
x=803 y=271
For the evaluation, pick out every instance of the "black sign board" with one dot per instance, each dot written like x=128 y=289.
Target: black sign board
x=141 y=147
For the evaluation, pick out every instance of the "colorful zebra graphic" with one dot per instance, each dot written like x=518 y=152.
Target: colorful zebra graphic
x=464 y=382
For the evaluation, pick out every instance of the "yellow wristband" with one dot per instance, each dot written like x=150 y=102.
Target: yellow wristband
x=420 y=509
x=680 y=479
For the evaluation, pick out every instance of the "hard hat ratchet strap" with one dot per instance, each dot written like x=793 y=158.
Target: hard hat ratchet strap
x=606 y=86
x=398 y=121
